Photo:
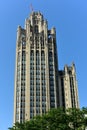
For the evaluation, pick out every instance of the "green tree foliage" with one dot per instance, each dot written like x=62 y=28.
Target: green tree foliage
x=56 y=119
x=75 y=118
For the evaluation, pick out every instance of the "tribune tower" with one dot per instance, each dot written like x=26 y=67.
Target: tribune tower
x=39 y=84
x=36 y=73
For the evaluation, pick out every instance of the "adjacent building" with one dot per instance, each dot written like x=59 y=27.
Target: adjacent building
x=68 y=90
x=39 y=84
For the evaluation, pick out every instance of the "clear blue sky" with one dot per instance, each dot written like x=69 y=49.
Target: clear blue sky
x=70 y=19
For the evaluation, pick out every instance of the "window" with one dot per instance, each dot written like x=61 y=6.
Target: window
x=52 y=99
x=17 y=117
x=52 y=88
x=31 y=115
x=52 y=82
x=52 y=104
x=36 y=29
x=51 y=93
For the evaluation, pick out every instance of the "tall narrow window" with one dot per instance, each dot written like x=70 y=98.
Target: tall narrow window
x=36 y=29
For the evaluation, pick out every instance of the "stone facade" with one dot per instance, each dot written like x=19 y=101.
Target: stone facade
x=39 y=85
x=36 y=78
x=68 y=87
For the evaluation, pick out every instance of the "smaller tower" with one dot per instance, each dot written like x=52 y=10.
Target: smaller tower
x=68 y=87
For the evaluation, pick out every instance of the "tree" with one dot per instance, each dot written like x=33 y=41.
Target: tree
x=84 y=110
x=56 y=119
x=76 y=118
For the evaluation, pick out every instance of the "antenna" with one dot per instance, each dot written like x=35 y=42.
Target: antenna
x=31 y=8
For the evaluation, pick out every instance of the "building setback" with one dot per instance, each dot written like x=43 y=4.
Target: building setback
x=39 y=84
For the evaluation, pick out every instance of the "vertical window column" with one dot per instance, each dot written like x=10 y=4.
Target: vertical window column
x=51 y=73
x=43 y=80
x=37 y=83
x=23 y=81
x=32 y=84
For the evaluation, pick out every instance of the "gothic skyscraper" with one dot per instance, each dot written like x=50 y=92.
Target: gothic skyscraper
x=36 y=78
x=38 y=86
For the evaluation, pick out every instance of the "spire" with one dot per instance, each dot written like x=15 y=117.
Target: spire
x=31 y=8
